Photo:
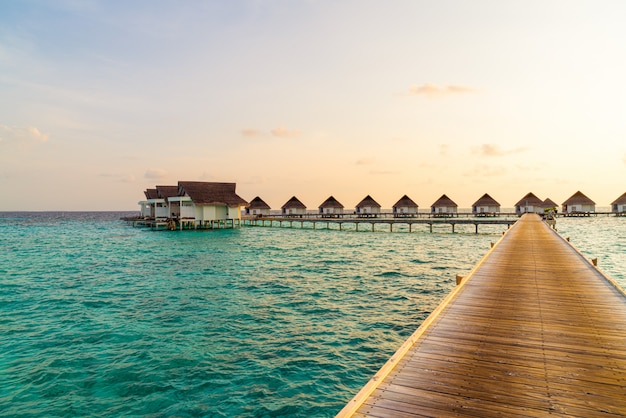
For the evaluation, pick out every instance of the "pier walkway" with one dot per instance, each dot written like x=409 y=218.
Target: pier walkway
x=313 y=222
x=534 y=330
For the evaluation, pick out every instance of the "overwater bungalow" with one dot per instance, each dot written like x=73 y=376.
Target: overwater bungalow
x=578 y=203
x=486 y=206
x=550 y=205
x=146 y=209
x=405 y=207
x=619 y=205
x=203 y=202
x=164 y=207
x=258 y=207
x=444 y=206
x=331 y=208
x=155 y=206
x=294 y=207
x=367 y=208
x=529 y=204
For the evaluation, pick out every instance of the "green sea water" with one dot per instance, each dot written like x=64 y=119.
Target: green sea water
x=102 y=319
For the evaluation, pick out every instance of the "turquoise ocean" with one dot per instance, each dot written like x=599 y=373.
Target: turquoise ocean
x=101 y=319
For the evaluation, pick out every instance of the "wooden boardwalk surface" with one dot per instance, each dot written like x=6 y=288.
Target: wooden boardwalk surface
x=535 y=330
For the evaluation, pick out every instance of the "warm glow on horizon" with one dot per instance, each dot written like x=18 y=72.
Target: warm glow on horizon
x=101 y=100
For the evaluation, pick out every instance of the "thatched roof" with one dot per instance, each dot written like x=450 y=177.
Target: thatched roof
x=405 y=202
x=209 y=193
x=258 y=203
x=620 y=200
x=331 y=202
x=293 y=203
x=165 y=192
x=549 y=203
x=367 y=201
x=578 y=199
x=151 y=194
x=486 y=200
x=530 y=200
x=444 y=201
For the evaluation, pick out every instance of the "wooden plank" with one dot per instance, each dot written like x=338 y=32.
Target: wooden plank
x=533 y=330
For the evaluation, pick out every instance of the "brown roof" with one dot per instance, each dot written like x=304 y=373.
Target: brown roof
x=549 y=203
x=258 y=203
x=405 y=201
x=444 y=201
x=530 y=199
x=367 y=201
x=620 y=200
x=209 y=193
x=579 y=199
x=486 y=200
x=331 y=202
x=151 y=194
x=293 y=203
x=165 y=192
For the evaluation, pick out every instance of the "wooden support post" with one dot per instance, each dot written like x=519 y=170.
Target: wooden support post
x=431 y=227
x=476 y=228
x=390 y=227
x=492 y=244
x=340 y=224
x=452 y=228
x=459 y=279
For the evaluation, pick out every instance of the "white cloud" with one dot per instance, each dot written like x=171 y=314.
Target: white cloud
x=21 y=137
x=365 y=161
x=432 y=90
x=283 y=132
x=128 y=179
x=251 y=133
x=493 y=150
x=155 y=173
x=484 y=170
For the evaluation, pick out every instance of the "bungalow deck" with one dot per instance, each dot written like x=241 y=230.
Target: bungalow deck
x=534 y=330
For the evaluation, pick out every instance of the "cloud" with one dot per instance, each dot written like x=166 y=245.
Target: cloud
x=128 y=179
x=493 y=150
x=22 y=137
x=443 y=149
x=365 y=161
x=383 y=173
x=155 y=173
x=432 y=90
x=484 y=170
x=251 y=133
x=283 y=132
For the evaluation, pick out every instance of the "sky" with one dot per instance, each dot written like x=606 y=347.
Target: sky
x=102 y=99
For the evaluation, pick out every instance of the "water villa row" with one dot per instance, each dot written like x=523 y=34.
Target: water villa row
x=195 y=204
x=577 y=204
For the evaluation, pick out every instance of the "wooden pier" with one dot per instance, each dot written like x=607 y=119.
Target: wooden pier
x=314 y=222
x=534 y=330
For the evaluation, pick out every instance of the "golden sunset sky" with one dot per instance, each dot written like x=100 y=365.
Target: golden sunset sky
x=100 y=100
